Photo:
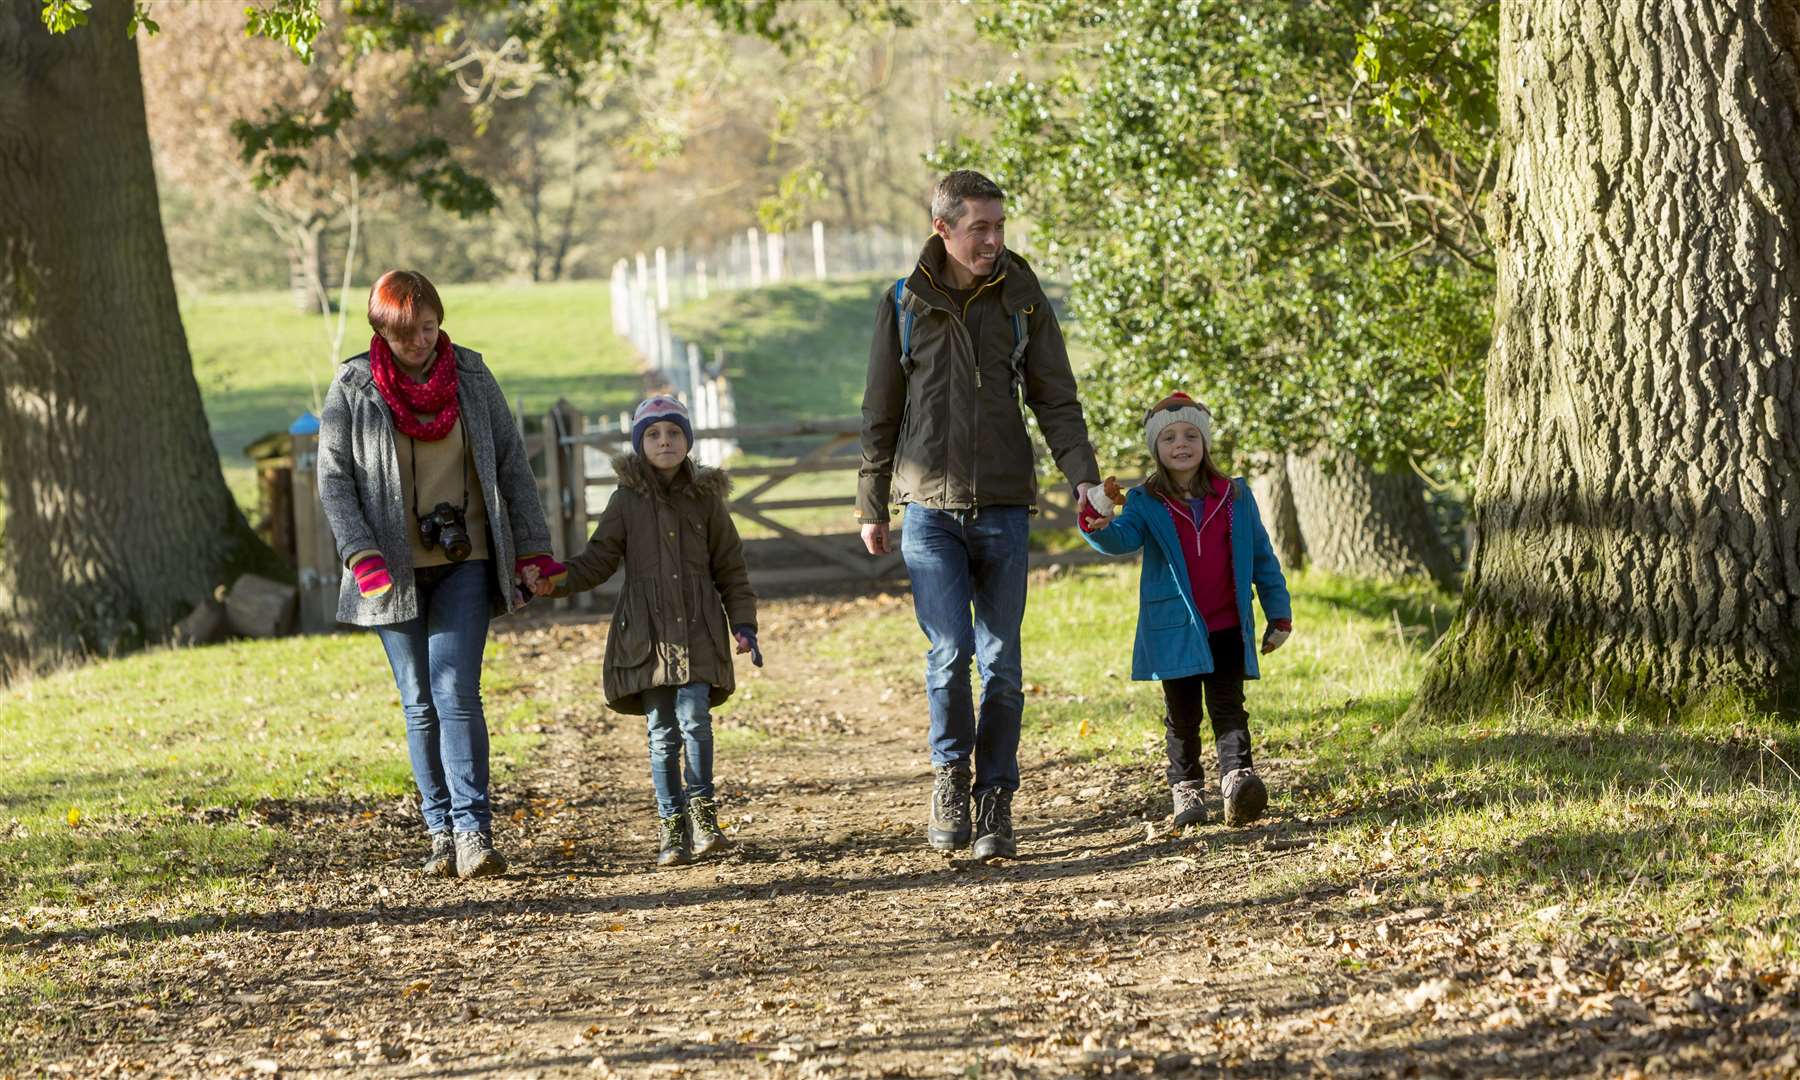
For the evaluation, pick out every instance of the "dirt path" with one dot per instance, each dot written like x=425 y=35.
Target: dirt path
x=833 y=943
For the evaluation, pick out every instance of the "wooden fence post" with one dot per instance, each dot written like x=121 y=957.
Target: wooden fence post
x=315 y=549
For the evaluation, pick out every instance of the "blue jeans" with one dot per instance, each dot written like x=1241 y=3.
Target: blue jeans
x=436 y=659
x=958 y=560
x=679 y=716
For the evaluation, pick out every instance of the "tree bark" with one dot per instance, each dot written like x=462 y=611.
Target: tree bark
x=308 y=275
x=117 y=515
x=1640 y=475
x=1275 y=497
x=1357 y=521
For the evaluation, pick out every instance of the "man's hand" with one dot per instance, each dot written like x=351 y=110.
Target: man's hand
x=875 y=538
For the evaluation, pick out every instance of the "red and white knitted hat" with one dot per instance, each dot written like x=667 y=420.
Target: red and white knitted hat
x=1177 y=407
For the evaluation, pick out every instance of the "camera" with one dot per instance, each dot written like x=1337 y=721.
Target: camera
x=447 y=526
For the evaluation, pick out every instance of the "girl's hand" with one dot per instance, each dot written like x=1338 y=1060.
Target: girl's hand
x=745 y=636
x=1278 y=632
x=539 y=574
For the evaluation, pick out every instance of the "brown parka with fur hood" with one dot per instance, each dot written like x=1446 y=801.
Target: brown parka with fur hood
x=685 y=585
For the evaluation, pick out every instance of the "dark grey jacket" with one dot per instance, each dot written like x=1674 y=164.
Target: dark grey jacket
x=949 y=434
x=359 y=485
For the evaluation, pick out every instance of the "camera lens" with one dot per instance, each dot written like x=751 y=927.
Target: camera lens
x=456 y=543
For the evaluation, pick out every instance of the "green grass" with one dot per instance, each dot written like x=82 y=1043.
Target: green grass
x=1557 y=823
x=156 y=777
x=258 y=360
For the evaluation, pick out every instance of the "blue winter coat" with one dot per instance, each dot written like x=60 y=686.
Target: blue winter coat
x=1171 y=638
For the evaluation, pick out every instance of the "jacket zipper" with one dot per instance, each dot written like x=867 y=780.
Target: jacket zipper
x=974 y=362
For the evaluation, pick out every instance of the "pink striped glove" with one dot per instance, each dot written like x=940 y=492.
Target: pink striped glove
x=372 y=577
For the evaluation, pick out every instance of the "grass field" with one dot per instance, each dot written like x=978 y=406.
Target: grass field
x=166 y=781
x=258 y=360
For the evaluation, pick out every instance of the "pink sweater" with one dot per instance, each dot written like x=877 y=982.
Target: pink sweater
x=1204 y=528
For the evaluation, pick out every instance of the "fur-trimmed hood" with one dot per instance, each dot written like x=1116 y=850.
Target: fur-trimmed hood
x=635 y=473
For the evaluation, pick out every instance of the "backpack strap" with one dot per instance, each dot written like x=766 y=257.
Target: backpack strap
x=1021 y=338
x=905 y=318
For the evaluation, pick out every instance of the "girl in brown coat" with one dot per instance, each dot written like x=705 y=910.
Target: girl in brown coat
x=686 y=599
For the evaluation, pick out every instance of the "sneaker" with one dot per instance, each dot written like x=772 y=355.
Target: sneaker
x=949 y=827
x=1189 y=798
x=442 y=860
x=708 y=837
x=1245 y=796
x=993 y=826
x=476 y=857
x=674 y=833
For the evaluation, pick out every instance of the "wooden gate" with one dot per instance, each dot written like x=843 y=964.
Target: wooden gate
x=820 y=455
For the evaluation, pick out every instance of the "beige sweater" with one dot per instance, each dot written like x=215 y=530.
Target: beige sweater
x=444 y=468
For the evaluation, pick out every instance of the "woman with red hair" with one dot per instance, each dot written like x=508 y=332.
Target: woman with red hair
x=424 y=479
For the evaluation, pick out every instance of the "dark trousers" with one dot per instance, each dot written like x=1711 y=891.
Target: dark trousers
x=1222 y=691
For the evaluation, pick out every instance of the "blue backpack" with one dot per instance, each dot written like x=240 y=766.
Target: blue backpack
x=1020 y=338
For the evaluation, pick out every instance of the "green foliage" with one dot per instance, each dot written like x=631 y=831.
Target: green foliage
x=62 y=16
x=1238 y=214
x=427 y=168
x=294 y=23
x=1432 y=65
x=270 y=146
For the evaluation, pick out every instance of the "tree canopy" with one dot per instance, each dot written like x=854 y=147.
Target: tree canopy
x=1278 y=205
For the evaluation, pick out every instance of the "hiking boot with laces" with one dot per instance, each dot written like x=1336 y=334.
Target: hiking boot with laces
x=708 y=837
x=476 y=857
x=674 y=834
x=1245 y=796
x=1189 y=798
x=442 y=860
x=949 y=827
x=993 y=826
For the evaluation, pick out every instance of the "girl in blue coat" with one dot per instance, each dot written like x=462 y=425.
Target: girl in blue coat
x=1204 y=546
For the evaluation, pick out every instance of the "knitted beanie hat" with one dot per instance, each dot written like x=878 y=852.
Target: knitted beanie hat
x=660 y=407
x=1176 y=407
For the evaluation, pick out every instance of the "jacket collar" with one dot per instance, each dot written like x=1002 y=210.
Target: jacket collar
x=1013 y=276
x=635 y=474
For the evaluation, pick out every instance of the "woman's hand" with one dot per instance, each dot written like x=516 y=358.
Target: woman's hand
x=372 y=577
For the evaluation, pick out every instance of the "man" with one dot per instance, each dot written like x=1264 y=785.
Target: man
x=955 y=346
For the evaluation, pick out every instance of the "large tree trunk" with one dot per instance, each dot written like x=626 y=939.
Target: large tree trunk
x=1639 y=488
x=1275 y=498
x=1357 y=521
x=117 y=515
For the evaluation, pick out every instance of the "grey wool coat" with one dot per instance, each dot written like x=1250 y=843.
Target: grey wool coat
x=686 y=584
x=359 y=485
